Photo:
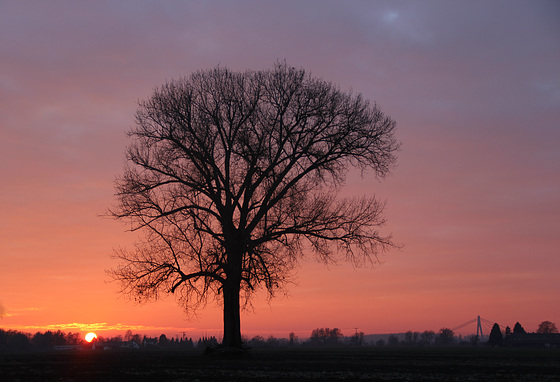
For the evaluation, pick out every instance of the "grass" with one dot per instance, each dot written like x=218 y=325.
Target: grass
x=297 y=364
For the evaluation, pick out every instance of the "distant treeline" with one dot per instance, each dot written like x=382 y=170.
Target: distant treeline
x=12 y=340
x=546 y=335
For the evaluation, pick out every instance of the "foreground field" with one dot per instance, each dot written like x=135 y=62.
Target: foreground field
x=375 y=364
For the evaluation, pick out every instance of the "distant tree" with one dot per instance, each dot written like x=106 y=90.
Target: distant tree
x=427 y=336
x=38 y=341
x=234 y=176
x=137 y=338
x=188 y=344
x=380 y=342
x=411 y=338
x=507 y=336
x=13 y=340
x=272 y=341
x=518 y=329
x=317 y=336
x=393 y=340
x=473 y=339
x=408 y=337
x=334 y=335
x=445 y=337
x=358 y=338
x=48 y=339
x=128 y=335
x=163 y=340
x=547 y=327
x=495 y=338
x=18 y=341
x=257 y=342
x=116 y=339
x=73 y=339
x=207 y=342
x=292 y=339
x=325 y=336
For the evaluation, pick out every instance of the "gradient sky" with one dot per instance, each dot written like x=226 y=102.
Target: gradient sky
x=475 y=200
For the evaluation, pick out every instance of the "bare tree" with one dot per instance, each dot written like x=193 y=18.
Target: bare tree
x=427 y=336
x=233 y=175
x=445 y=336
x=547 y=327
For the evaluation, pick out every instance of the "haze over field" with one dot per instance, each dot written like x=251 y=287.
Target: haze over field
x=475 y=199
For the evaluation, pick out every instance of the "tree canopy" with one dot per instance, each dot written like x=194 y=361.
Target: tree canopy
x=233 y=176
x=547 y=327
x=496 y=338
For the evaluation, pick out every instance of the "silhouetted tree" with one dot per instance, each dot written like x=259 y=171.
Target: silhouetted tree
x=547 y=327
x=272 y=341
x=257 y=341
x=231 y=175
x=445 y=336
x=293 y=339
x=128 y=335
x=427 y=336
x=73 y=339
x=518 y=329
x=325 y=336
x=188 y=344
x=358 y=338
x=163 y=340
x=207 y=342
x=334 y=335
x=495 y=338
x=48 y=339
x=13 y=340
x=507 y=336
x=410 y=337
x=392 y=340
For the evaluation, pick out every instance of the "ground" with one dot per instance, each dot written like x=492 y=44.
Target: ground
x=298 y=364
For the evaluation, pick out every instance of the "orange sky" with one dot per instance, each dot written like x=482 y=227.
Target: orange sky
x=475 y=199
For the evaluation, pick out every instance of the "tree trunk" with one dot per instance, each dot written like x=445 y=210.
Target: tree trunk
x=232 y=320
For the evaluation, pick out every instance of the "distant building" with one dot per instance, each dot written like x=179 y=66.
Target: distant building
x=130 y=345
x=98 y=345
x=150 y=343
x=67 y=347
x=121 y=345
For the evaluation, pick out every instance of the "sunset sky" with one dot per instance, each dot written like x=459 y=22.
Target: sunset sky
x=474 y=201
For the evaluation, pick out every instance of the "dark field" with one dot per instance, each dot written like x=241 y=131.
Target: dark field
x=300 y=364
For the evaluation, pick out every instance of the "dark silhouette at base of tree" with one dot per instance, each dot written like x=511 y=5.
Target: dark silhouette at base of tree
x=232 y=177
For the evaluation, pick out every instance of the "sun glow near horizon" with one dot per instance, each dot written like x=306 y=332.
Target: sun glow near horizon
x=90 y=336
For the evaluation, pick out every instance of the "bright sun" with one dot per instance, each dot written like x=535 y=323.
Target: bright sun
x=90 y=336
